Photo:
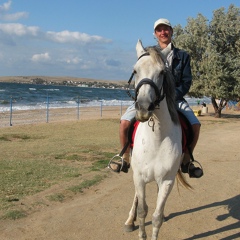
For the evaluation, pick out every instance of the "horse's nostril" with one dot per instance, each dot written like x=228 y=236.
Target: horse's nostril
x=137 y=106
x=151 y=107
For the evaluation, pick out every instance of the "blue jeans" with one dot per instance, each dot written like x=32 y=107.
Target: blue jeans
x=182 y=106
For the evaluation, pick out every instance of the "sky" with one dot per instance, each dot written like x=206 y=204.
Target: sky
x=93 y=39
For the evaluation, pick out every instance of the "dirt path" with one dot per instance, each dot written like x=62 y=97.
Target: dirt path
x=211 y=211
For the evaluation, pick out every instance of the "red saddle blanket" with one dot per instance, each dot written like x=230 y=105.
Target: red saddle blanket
x=186 y=132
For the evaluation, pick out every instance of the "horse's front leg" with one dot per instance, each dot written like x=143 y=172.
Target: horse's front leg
x=142 y=209
x=158 y=215
x=129 y=224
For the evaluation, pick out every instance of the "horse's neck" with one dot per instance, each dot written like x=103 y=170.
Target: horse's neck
x=162 y=114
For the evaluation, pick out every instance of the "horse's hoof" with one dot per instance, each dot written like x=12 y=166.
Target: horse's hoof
x=129 y=228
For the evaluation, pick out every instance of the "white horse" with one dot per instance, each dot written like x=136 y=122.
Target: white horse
x=157 y=151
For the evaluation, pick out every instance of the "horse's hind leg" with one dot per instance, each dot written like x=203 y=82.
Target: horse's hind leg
x=158 y=216
x=129 y=224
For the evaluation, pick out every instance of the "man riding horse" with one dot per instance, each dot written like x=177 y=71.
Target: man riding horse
x=178 y=62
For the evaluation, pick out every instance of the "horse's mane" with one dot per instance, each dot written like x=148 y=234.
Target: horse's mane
x=168 y=83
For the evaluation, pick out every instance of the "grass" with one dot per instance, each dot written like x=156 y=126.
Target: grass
x=20 y=178
x=12 y=137
x=58 y=197
x=86 y=184
x=14 y=214
x=35 y=158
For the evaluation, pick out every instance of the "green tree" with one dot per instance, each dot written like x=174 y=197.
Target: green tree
x=215 y=49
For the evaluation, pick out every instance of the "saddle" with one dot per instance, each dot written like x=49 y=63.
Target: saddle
x=187 y=138
x=187 y=132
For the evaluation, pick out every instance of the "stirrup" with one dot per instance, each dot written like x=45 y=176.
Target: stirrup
x=116 y=160
x=191 y=172
x=121 y=164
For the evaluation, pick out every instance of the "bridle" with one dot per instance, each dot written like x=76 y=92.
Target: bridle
x=159 y=95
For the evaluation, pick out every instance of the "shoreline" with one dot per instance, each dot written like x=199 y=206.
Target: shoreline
x=64 y=81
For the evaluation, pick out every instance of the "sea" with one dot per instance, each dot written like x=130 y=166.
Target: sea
x=18 y=96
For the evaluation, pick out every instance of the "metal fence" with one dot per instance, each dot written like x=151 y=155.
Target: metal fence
x=52 y=114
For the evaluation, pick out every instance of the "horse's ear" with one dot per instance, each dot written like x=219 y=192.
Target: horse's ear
x=140 y=49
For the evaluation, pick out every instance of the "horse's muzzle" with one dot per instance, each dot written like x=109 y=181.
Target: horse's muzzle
x=143 y=113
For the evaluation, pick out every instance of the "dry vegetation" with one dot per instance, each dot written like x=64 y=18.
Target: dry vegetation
x=59 y=80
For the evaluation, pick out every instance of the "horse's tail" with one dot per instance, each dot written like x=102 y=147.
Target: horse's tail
x=182 y=180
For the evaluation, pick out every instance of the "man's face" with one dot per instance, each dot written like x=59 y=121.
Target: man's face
x=163 y=33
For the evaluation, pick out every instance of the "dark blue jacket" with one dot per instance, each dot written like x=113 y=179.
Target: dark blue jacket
x=181 y=71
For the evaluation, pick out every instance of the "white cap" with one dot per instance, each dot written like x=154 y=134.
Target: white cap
x=162 y=21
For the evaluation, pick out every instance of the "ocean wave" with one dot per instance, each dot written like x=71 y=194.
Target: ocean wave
x=51 y=89
x=32 y=96
x=65 y=104
x=5 y=105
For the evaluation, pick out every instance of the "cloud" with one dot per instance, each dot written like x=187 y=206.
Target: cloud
x=14 y=16
x=54 y=52
x=17 y=29
x=74 y=37
x=42 y=57
x=5 y=7
x=74 y=60
x=13 y=30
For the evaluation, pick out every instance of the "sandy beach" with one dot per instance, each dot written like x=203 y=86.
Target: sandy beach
x=210 y=211
x=22 y=117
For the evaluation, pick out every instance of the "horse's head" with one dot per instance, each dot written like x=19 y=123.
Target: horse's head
x=149 y=73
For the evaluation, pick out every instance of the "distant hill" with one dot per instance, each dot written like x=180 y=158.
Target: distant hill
x=69 y=81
